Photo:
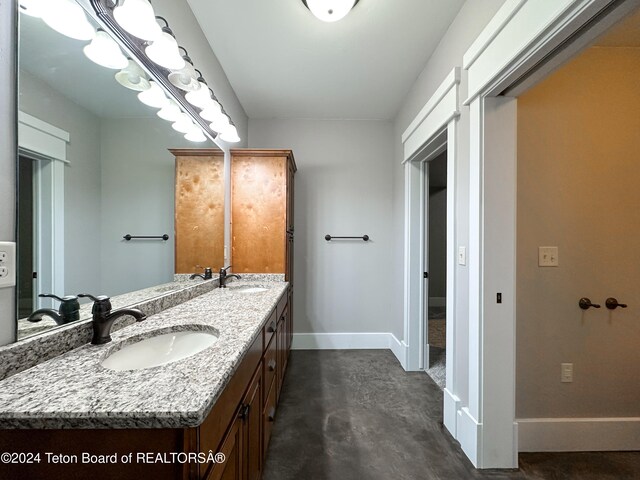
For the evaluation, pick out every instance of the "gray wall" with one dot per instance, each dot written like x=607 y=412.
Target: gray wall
x=7 y=155
x=578 y=190
x=137 y=184
x=342 y=188
x=82 y=239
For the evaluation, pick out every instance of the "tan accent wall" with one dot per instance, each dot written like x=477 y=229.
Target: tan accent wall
x=579 y=189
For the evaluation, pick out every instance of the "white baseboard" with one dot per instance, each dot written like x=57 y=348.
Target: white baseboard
x=437 y=301
x=578 y=434
x=451 y=404
x=346 y=341
x=469 y=432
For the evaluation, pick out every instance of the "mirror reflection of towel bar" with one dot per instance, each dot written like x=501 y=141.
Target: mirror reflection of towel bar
x=328 y=238
x=128 y=236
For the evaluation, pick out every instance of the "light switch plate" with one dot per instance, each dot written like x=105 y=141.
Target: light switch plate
x=547 y=256
x=566 y=372
x=7 y=264
x=462 y=255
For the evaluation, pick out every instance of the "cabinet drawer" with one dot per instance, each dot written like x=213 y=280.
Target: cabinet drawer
x=269 y=416
x=269 y=329
x=282 y=304
x=270 y=363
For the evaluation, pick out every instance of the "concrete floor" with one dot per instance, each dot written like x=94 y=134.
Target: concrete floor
x=356 y=414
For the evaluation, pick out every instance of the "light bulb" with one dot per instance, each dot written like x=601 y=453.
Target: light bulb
x=133 y=77
x=230 y=134
x=170 y=112
x=212 y=111
x=185 y=78
x=200 y=97
x=183 y=124
x=195 y=135
x=33 y=8
x=220 y=124
x=330 y=10
x=137 y=18
x=68 y=18
x=154 y=96
x=104 y=51
x=164 y=52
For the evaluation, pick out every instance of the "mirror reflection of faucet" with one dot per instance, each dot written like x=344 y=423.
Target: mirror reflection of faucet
x=69 y=310
x=208 y=274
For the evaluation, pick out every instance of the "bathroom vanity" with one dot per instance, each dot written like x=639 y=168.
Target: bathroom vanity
x=163 y=422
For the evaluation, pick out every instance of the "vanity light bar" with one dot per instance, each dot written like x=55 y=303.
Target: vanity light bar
x=176 y=79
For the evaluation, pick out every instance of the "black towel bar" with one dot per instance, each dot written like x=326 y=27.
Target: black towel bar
x=363 y=237
x=128 y=236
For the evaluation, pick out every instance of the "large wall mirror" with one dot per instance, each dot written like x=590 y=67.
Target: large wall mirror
x=94 y=165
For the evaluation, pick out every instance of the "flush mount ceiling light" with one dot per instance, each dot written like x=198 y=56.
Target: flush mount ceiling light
x=330 y=10
x=68 y=18
x=137 y=18
x=164 y=49
x=104 y=51
x=186 y=78
x=133 y=77
x=153 y=96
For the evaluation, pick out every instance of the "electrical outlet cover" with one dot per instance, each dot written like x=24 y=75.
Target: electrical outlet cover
x=8 y=264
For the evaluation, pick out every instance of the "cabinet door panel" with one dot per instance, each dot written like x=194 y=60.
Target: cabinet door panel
x=253 y=428
x=231 y=468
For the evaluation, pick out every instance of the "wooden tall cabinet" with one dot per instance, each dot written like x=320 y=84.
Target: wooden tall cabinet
x=262 y=190
x=199 y=209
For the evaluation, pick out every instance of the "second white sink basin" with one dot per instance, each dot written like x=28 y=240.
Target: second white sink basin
x=159 y=350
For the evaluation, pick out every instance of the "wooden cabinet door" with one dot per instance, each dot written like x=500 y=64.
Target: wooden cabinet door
x=199 y=210
x=232 y=448
x=253 y=428
x=290 y=195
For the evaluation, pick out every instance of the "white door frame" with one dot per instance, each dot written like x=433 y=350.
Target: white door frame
x=516 y=40
x=47 y=145
x=434 y=129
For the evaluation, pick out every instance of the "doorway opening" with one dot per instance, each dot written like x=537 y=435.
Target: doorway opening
x=26 y=235
x=435 y=267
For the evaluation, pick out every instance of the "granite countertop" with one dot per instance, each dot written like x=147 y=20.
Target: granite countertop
x=74 y=391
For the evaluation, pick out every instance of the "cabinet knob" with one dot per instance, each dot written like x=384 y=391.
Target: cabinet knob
x=272 y=327
x=244 y=411
x=272 y=365
x=271 y=416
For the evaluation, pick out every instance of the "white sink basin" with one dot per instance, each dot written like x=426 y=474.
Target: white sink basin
x=248 y=289
x=159 y=350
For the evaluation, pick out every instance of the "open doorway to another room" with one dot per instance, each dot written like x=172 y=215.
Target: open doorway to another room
x=436 y=268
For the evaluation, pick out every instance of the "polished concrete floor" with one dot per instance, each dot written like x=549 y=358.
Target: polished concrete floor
x=357 y=415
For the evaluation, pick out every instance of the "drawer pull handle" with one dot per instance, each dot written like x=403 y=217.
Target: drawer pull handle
x=271 y=416
x=272 y=327
x=244 y=411
x=272 y=365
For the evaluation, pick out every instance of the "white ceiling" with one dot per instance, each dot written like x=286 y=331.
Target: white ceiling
x=284 y=63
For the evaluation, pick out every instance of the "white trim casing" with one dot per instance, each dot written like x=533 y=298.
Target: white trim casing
x=579 y=434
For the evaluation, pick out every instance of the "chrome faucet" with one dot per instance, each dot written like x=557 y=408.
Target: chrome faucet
x=69 y=310
x=103 y=317
x=208 y=274
x=222 y=279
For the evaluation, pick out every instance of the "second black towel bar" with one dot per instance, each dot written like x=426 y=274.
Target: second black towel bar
x=328 y=238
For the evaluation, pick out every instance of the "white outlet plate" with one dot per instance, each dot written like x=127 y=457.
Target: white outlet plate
x=462 y=255
x=7 y=264
x=566 y=372
x=547 y=256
